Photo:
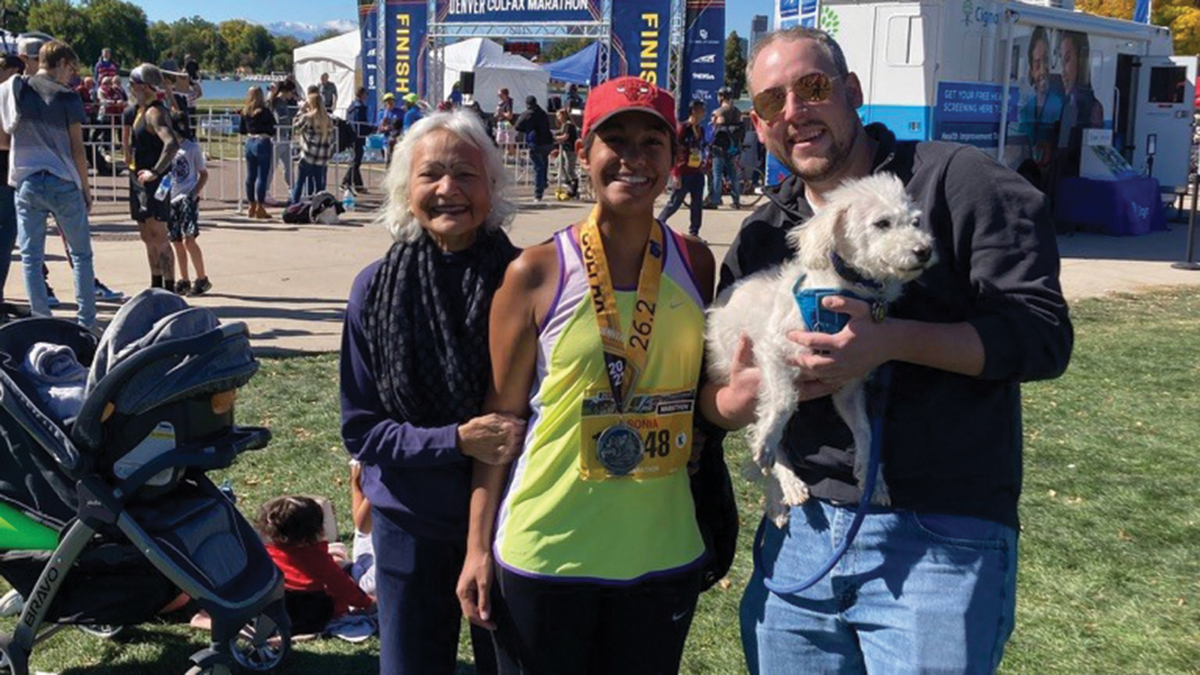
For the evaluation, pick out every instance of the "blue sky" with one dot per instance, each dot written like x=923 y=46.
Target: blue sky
x=318 y=11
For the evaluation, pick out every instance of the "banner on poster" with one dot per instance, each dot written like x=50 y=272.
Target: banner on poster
x=703 y=54
x=969 y=112
x=404 y=26
x=516 y=11
x=641 y=38
x=368 y=29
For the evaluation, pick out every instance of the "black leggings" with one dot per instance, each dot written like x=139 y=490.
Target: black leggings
x=545 y=627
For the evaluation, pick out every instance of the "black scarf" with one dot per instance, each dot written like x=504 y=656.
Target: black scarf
x=431 y=365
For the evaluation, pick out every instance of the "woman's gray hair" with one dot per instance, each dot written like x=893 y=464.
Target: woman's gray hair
x=396 y=215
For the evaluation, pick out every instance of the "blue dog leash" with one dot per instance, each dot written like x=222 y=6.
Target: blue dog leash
x=817 y=318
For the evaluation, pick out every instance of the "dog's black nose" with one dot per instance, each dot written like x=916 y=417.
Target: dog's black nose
x=923 y=254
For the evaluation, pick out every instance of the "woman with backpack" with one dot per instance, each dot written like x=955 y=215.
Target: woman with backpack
x=314 y=128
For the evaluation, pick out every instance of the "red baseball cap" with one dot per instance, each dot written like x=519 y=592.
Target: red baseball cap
x=626 y=94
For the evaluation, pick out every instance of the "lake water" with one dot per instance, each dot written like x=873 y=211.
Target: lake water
x=229 y=89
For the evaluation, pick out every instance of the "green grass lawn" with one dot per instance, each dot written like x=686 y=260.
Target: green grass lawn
x=1109 y=576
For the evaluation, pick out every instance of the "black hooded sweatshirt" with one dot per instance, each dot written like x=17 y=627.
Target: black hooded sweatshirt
x=952 y=443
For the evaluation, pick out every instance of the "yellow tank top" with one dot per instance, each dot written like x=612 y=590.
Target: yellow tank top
x=554 y=523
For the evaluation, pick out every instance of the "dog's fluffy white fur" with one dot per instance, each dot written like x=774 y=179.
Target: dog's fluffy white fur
x=873 y=226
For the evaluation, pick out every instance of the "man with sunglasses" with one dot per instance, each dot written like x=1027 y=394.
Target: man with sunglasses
x=928 y=584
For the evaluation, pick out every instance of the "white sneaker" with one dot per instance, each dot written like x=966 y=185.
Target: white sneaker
x=11 y=604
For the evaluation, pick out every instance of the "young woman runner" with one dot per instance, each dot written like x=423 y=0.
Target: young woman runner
x=597 y=338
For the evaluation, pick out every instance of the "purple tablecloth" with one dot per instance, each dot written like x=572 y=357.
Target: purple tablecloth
x=1125 y=207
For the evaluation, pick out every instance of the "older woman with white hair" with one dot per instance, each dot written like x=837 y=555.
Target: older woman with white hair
x=414 y=372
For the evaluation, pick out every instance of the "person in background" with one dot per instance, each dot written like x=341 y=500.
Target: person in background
x=390 y=123
x=356 y=115
x=195 y=89
x=329 y=93
x=503 y=119
x=456 y=96
x=316 y=589
x=414 y=372
x=258 y=126
x=28 y=47
x=574 y=102
x=42 y=120
x=153 y=143
x=689 y=169
x=566 y=136
x=284 y=101
x=534 y=123
x=105 y=65
x=412 y=110
x=10 y=66
x=726 y=144
x=315 y=129
x=174 y=96
x=112 y=101
x=189 y=175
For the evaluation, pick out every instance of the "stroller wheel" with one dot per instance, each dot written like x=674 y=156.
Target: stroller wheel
x=102 y=631
x=262 y=645
x=7 y=667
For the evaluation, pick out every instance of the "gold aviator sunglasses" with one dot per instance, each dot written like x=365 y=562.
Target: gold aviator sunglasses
x=810 y=89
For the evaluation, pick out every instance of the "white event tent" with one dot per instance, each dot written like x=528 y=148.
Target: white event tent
x=338 y=56
x=494 y=68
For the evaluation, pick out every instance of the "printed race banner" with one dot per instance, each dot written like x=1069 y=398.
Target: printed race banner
x=368 y=27
x=969 y=112
x=641 y=31
x=787 y=13
x=516 y=11
x=404 y=50
x=703 y=54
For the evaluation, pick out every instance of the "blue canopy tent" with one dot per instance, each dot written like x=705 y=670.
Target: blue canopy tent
x=578 y=68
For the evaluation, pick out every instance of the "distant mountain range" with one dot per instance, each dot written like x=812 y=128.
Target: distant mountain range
x=307 y=31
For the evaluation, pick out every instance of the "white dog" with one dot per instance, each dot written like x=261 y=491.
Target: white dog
x=866 y=240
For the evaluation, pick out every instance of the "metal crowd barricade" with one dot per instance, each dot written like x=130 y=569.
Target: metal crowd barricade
x=217 y=133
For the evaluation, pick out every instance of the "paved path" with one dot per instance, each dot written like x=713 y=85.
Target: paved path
x=289 y=282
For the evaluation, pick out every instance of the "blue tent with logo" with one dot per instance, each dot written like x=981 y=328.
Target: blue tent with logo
x=578 y=68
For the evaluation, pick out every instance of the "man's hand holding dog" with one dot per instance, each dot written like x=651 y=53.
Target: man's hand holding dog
x=848 y=355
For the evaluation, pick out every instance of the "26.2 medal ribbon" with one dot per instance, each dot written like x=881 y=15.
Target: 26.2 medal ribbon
x=624 y=364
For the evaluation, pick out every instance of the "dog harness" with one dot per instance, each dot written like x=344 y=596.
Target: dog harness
x=816 y=318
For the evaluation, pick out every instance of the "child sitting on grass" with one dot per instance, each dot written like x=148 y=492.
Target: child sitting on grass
x=316 y=588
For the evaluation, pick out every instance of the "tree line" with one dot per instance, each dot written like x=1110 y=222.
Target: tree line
x=122 y=27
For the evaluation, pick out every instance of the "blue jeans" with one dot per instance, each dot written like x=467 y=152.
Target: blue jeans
x=691 y=185
x=8 y=231
x=258 y=168
x=540 y=156
x=310 y=181
x=38 y=196
x=723 y=166
x=914 y=593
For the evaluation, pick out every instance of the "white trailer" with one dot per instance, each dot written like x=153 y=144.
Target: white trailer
x=936 y=69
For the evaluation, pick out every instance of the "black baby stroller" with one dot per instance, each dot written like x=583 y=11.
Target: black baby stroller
x=118 y=497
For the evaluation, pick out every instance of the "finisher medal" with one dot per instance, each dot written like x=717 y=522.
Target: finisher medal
x=619 y=449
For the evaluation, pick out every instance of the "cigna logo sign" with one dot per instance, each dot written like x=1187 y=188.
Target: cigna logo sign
x=981 y=15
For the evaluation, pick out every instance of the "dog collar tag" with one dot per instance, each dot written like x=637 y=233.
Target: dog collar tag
x=878 y=311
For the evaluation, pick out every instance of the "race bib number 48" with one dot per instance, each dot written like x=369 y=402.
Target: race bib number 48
x=652 y=439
